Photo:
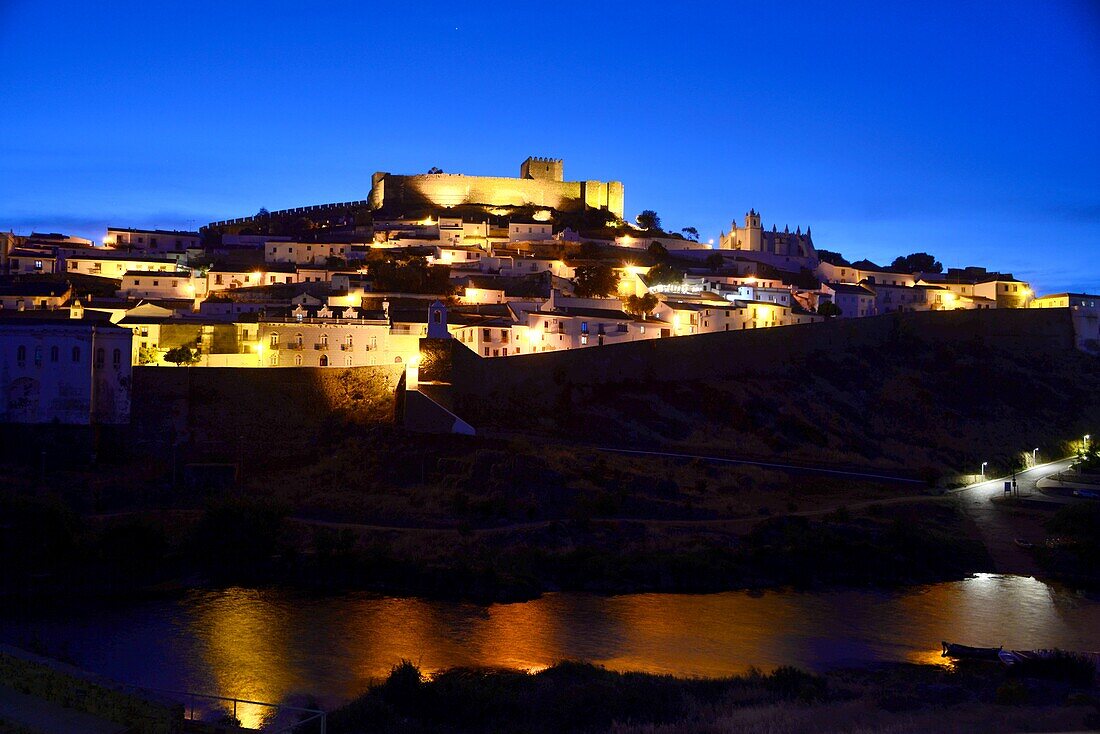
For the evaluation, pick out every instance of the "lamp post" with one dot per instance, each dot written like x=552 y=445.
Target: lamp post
x=1035 y=456
x=984 y=463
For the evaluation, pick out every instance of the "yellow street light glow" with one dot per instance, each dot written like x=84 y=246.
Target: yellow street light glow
x=532 y=336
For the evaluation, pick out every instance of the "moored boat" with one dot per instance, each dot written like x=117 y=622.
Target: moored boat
x=966 y=652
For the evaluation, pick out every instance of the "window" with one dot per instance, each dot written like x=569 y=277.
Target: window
x=584 y=327
x=584 y=339
x=324 y=340
x=21 y=355
x=347 y=360
x=116 y=358
x=297 y=360
x=496 y=352
x=55 y=354
x=274 y=359
x=273 y=340
x=218 y=279
x=156 y=283
x=152 y=242
x=486 y=351
x=99 y=357
x=347 y=341
x=298 y=339
x=76 y=354
x=487 y=334
x=37 y=264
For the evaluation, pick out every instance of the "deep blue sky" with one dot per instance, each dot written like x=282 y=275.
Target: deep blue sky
x=970 y=130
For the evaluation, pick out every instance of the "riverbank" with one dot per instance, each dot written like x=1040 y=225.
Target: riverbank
x=577 y=697
x=250 y=541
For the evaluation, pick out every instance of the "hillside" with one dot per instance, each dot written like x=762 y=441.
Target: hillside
x=917 y=393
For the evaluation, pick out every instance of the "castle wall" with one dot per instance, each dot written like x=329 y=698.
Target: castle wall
x=452 y=189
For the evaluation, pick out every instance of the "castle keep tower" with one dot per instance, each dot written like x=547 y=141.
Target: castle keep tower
x=544 y=169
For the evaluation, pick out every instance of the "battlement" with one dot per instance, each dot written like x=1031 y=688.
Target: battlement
x=541 y=183
x=546 y=169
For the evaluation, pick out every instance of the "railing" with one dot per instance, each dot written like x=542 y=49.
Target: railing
x=321 y=347
x=345 y=347
x=294 y=345
x=189 y=700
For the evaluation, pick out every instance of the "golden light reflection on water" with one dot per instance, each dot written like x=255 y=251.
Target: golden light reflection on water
x=268 y=646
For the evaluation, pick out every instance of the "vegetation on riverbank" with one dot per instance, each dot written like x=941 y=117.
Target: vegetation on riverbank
x=578 y=697
x=527 y=527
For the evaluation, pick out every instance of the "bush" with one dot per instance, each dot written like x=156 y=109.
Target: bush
x=1061 y=666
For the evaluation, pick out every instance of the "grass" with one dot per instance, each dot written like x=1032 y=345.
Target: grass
x=579 y=697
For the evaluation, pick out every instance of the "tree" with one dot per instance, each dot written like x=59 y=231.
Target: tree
x=691 y=233
x=664 y=273
x=640 y=305
x=714 y=261
x=648 y=220
x=658 y=251
x=918 y=262
x=435 y=169
x=263 y=213
x=828 y=309
x=182 y=355
x=147 y=355
x=597 y=281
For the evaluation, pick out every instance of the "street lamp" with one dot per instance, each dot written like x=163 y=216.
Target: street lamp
x=1034 y=456
x=984 y=464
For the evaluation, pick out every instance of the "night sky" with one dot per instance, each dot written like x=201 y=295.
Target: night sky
x=970 y=130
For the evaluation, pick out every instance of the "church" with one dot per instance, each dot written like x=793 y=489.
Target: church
x=785 y=246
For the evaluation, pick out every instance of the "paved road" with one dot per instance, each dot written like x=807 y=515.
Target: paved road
x=767 y=464
x=1026 y=480
x=1000 y=526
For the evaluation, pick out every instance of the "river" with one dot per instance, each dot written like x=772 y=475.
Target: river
x=271 y=645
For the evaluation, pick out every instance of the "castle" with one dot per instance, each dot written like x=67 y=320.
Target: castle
x=753 y=238
x=541 y=182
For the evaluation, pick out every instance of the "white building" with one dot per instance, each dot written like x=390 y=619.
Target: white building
x=305 y=253
x=152 y=240
x=167 y=284
x=854 y=301
x=69 y=370
x=115 y=264
x=530 y=231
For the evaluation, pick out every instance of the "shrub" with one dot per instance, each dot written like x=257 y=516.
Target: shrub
x=1065 y=667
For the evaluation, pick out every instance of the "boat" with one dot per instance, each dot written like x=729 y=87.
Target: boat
x=966 y=652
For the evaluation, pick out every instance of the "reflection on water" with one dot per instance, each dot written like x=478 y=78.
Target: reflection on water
x=269 y=645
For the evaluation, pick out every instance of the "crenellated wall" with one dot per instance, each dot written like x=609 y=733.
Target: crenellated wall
x=453 y=189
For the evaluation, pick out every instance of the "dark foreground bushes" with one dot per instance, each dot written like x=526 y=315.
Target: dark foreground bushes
x=568 y=697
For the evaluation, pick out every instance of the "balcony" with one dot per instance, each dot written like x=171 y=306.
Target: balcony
x=321 y=347
x=345 y=347
x=294 y=345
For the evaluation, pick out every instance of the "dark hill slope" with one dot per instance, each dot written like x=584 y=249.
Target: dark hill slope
x=909 y=392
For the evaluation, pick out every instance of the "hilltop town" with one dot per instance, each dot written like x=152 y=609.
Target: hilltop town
x=506 y=267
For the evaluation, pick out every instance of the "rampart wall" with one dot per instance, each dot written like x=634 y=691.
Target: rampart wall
x=453 y=189
x=487 y=389
x=248 y=409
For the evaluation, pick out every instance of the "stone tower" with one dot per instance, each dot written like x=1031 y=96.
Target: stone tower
x=752 y=237
x=543 y=169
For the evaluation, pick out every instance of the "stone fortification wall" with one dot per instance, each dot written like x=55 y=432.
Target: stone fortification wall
x=452 y=189
x=487 y=391
x=237 y=410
